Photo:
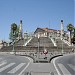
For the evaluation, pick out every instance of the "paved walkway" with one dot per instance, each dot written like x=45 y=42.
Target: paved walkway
x=41 y=69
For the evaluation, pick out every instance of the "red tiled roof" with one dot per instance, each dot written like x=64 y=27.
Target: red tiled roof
x=50 y=30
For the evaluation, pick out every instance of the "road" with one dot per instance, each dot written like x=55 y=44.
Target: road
x=13 y=65
x=65 y=65
x=20 y=65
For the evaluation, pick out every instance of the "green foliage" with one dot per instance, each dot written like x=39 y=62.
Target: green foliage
x=73 y=39
x=11 y=35
x=13 y=27
x=74 y=32
x=14 y=32
x=70 y=27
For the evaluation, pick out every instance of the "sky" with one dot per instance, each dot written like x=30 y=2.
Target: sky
x=35 y=13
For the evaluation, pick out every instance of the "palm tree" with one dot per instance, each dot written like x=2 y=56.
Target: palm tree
x=70 y=28
x=73 y=38
x=13 y=28
x=13 y=35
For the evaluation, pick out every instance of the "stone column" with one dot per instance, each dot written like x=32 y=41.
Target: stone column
x=20 y=30
x=62 y=29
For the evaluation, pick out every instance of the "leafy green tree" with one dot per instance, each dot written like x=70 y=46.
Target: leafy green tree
x=13 y=32
x=11 y=35
x=73 y=39
x=70 y=28
x=74 y=32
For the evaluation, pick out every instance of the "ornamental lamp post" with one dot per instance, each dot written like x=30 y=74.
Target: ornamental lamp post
x=62 y=33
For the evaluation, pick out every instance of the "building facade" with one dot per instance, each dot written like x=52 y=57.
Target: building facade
x=46 y=32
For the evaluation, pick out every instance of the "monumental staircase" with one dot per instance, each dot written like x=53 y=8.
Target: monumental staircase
x=43 y=43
